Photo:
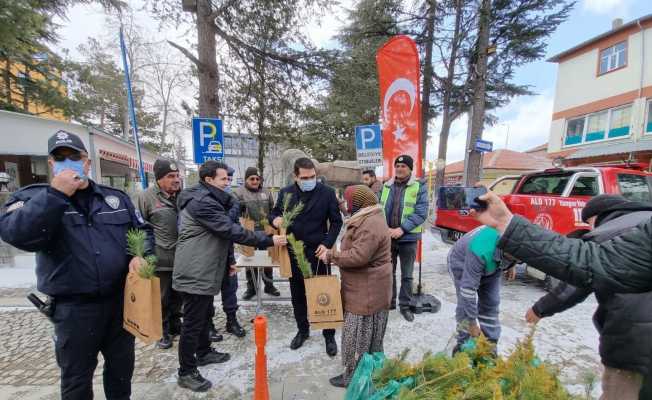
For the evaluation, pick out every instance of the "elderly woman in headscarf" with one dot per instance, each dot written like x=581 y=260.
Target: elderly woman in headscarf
x=364 y=259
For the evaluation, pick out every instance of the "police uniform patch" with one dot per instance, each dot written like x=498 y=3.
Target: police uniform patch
x=112 y=201
x=139 y=217
x=15 y=206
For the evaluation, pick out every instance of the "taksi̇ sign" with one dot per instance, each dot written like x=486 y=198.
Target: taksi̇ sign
x=484 y=146
x=207 y=139
x=368 y=146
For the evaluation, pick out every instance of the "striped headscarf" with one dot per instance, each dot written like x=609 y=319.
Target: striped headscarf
x=358 y=197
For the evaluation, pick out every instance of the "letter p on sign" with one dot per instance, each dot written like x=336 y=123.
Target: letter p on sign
x=367 y=137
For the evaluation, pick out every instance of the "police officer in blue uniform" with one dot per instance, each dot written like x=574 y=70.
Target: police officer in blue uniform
x=77 y=228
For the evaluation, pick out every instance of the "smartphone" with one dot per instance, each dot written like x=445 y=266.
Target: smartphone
x=461 y=198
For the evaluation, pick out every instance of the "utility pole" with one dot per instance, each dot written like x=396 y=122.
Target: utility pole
x=427 y=77
x=472 y=170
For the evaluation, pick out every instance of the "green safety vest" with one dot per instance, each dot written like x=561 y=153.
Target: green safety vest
x=409 y=202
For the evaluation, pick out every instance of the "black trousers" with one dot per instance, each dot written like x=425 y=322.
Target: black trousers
x=194 y=341
x=298 y=290
x=170 y=304
x=82 y=329
x=228 y=291
x=252 y=276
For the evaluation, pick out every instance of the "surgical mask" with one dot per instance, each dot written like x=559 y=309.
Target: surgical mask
x=307 y=186
x=77 y=166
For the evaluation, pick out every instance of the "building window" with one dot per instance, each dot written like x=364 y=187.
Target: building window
x=574 y=131
x=597 y=123
x=613 y=57
x=648 y=120
x=619 y=125
x=602 y=125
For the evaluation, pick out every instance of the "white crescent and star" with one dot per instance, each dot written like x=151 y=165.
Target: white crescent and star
x=405 y=85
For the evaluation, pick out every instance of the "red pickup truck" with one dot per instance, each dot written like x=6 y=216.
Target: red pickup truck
x=554 y=198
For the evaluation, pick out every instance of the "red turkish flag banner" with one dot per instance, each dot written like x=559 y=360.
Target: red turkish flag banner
x=400 y=99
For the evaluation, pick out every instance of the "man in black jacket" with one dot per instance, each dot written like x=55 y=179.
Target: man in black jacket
x=317 y=226
x=620 y=318
x=204 y=253
x=622 y=264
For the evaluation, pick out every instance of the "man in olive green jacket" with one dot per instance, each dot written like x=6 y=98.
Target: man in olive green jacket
x=256 y=204
x=158 y=206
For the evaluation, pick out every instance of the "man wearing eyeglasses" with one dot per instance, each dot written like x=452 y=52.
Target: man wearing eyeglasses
x=256 y=204
x=78 y=230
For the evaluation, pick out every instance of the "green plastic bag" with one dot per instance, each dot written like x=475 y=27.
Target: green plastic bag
x=391 y=390
x=361 y=386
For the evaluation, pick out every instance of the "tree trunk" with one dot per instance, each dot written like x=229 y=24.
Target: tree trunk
x=209 y=105
x=479 y=92
x=447 y=119
x=440 y=178
x=7 y=79
x=427 y=79
x=26 y=91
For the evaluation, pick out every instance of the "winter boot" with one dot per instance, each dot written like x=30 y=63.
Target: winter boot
x=233 y=326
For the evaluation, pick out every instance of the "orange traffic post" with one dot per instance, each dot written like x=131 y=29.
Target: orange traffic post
x=261 y=386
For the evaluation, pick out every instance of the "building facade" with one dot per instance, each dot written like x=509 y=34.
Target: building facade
x=603 y=100
x=23 y=153
x=241 y=152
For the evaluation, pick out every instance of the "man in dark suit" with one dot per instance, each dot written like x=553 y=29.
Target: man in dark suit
x=317 y=226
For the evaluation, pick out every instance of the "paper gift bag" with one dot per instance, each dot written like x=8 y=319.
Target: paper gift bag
x=285 y=269
x=273 y=251
x=142 y=308
x=250 y=225
x=324 y=302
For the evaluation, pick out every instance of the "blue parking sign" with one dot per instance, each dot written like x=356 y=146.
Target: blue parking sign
x=368 y=146
x=207 y=139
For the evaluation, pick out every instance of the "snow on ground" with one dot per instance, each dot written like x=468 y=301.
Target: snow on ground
x=568 y=340
x=21 y=274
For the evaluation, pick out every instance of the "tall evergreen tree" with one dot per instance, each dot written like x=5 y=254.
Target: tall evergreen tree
x=352 y=94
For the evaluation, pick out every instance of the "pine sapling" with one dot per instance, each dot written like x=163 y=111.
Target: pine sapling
x=299 y=253
x=289 y=214
x=136 y=239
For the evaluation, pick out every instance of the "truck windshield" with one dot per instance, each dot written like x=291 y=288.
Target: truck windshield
x=550 y=184
x=634 y=187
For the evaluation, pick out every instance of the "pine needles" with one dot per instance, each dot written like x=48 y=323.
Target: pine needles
x=469 y=375
x=289 y=214
x=136 y=239
x=299 y=251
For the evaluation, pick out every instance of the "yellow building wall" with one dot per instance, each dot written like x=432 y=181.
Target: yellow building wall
x=32 y=107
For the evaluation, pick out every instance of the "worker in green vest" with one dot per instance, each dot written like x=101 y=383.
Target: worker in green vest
x=405 y=201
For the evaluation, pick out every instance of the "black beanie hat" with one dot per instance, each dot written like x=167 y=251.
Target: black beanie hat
x=251 y=171
x=600 y=204
x=405 y=159
x=164 y=167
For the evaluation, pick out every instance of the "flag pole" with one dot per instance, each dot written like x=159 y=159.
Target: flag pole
x=132 y=111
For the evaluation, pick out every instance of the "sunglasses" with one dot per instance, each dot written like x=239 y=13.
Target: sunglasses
x=71 y=157
x=253 y=178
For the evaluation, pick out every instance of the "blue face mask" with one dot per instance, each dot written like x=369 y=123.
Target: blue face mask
x=308 y=186
x=77 y=166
